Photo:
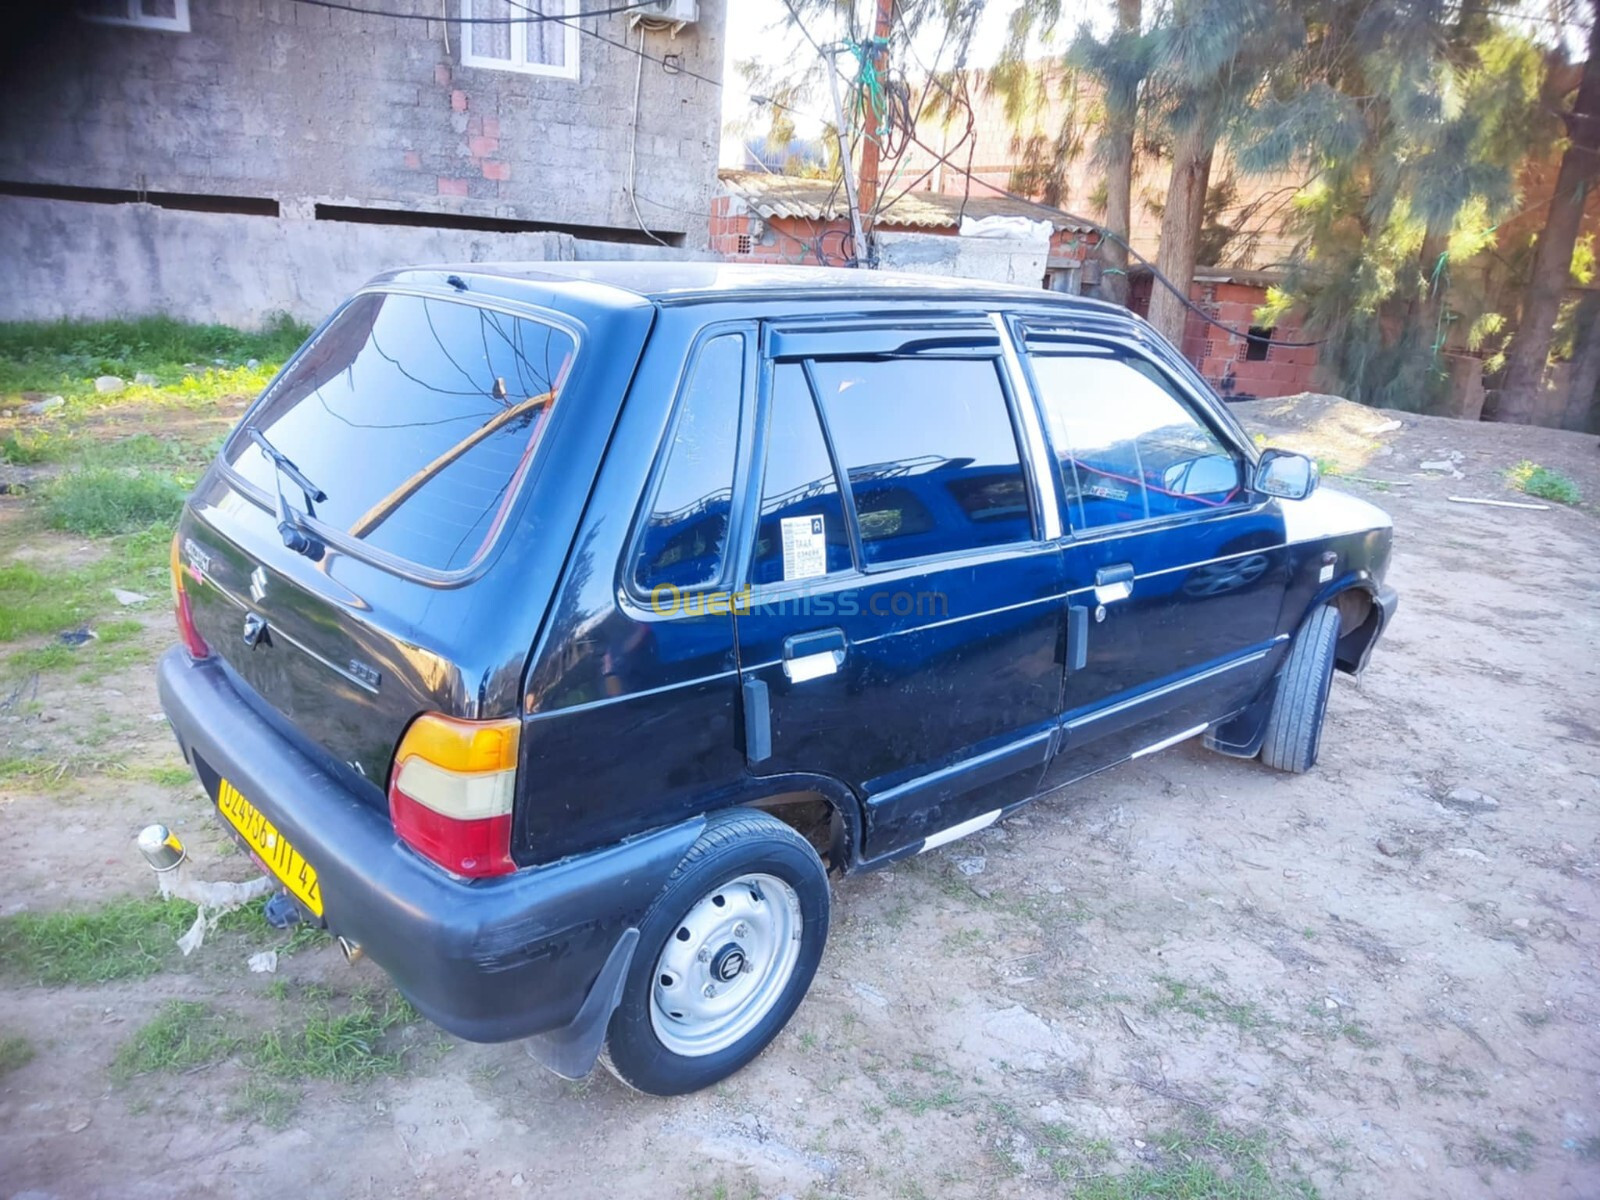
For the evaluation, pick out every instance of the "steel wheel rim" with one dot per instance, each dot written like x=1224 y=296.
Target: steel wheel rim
x=726 y=964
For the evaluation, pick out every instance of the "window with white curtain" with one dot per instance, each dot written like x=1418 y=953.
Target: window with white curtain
x=513 y=38
x=169 y=15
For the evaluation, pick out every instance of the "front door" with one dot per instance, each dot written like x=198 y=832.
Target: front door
x=1175 y=570
x=901 y=632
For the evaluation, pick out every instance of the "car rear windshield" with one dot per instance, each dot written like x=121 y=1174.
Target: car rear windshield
x=417 y=417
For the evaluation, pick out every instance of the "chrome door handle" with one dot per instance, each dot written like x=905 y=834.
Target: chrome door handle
x=811 y=655
x=1113 y=583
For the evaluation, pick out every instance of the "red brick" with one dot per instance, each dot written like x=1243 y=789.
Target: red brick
x=491 y=127
x=483 y=147
x=496 y=170
x=413 y=160
x=474 y=126
x=452 y=187
x=441 y=75
x=458 y=101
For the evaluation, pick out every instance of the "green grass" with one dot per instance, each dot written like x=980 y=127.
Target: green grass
x=66 y=357
x=1512 y=1153
x=1544 y=482
x=1205 y=1004
x=46 y=599
x=29 y=450
x=125 y=939
x=171 y=777
x=1202 y=1161
x=15 y=1052
x=101 y=501
x=270 y=1104
x=183 y=1035
x=344 y=1046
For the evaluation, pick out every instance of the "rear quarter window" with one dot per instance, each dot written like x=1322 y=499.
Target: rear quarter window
x=418 y=417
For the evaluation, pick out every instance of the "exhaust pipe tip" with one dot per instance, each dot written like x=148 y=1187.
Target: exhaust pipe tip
x=161 y=848
x=352 y=951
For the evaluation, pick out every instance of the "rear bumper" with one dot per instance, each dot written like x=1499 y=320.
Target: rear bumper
x=488 y=960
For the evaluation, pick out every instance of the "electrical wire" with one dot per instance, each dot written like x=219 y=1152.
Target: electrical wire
x=633 y=144
x=535 y=18
x=966 y=173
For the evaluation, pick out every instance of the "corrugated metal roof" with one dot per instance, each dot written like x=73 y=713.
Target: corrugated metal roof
x=777 y=196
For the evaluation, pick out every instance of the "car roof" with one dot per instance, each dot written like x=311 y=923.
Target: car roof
x=690 y=282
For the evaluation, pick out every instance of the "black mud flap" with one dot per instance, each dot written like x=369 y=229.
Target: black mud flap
x=572 y=1050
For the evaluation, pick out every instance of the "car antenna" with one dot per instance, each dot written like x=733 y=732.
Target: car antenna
x=456 y=282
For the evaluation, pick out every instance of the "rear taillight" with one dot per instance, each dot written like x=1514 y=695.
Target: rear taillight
x=451 y=789
x=192 y=641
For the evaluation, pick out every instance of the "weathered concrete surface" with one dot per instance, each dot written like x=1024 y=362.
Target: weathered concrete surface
x=1000 y=260
x=91 y=261
x=305 y=105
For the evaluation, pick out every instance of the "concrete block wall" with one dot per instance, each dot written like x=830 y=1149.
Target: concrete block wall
x=98 y=261
x=306 y=105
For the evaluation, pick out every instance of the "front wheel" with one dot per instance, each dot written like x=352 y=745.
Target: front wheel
x=1294 y=728
x=725 y=956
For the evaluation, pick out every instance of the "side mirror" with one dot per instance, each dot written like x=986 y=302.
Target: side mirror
x=1285 y=474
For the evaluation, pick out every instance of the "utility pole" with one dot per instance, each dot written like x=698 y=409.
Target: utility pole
x=869 y=140
x=850 y=195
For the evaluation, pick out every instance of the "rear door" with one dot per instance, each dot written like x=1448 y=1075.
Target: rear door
x=419 y=417
x=901 y=625
x=1175 y=570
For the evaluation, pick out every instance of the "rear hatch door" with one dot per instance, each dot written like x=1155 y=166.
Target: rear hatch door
x=418 y=419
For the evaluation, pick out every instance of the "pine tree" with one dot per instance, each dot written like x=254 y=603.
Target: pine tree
x=1119 y=65
x=1411 y=120
x=1522 y=394
x=1213 y=61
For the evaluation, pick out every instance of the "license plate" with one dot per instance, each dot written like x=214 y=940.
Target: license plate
x=262 y=836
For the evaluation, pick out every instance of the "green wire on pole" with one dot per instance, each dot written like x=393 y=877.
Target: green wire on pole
x=871 y=104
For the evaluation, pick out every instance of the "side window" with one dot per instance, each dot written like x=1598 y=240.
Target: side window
x=930 y=452
x=1127 y=447
x=802 y=531
x=686 y=533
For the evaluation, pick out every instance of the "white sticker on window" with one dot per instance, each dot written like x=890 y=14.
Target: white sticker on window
x=805 y=547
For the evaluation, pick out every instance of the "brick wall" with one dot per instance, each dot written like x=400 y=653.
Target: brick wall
x=305 y=105
x=1219 y=355
x=740 y=236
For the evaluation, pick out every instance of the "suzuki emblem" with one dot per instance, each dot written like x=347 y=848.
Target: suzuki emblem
x=258 y=584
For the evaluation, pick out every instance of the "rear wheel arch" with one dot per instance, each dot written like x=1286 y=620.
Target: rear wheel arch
x=818 y=814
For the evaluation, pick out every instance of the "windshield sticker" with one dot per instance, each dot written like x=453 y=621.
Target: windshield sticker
x=805 y=547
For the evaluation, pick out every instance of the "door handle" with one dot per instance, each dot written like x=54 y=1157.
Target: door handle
x=1113 y=583
x=812 y=655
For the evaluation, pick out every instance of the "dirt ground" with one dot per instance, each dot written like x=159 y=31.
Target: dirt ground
x=1375 y=980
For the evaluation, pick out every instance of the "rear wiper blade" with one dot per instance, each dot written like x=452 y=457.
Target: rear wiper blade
x=292 y=527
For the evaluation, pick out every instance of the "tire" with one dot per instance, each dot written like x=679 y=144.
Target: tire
x=752 y=897
x=1294 y=727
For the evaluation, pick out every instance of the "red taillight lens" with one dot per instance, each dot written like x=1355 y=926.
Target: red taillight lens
x=451 y=791
x=192 y=641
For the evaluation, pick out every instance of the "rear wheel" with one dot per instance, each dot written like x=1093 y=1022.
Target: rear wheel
x=725 y=956
x=1294 y=728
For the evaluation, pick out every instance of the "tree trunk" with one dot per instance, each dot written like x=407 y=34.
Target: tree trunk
x=1583 y=392
x=1180 y=227
x=1522 y=398
x=1122 y=111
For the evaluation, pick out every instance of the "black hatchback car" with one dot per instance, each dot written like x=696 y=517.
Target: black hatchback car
x=550 y=632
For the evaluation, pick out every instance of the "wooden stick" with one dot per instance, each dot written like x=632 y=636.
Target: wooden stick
x=1499 y=503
